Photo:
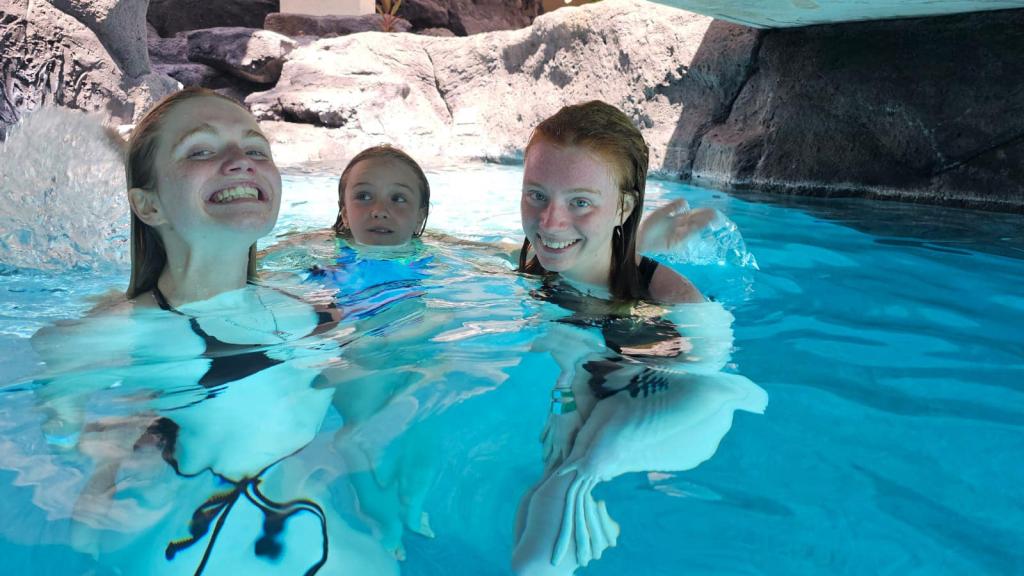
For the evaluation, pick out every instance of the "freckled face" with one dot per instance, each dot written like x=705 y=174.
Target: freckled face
x=382 y=202
x=570 y=206
x=216 y=179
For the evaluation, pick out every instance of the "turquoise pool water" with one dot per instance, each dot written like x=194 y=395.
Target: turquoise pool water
x=887 y=337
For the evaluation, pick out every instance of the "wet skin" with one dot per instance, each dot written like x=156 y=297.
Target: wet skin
x=570 y=206
x=383 y=205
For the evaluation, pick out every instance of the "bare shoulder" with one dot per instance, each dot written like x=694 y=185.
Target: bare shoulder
x=670 y=287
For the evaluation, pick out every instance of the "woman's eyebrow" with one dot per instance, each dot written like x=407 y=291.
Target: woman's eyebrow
x=255 y=134
x=209 y=129
x=201 y=129
x=400 y=185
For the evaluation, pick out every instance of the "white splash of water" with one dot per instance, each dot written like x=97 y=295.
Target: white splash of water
x=62 y=194
x=720 y=242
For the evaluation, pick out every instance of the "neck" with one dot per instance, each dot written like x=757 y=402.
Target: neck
x=597 y=290
x=190 y=276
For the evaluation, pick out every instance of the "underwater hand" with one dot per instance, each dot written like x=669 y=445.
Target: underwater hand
x=558 y=437
x=670 y=226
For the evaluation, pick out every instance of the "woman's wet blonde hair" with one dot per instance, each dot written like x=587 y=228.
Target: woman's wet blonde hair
x=148 y=254
x=392 y=153
x=606 y=131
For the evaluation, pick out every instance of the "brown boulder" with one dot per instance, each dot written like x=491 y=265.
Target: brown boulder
x=170 y=17
x=167 y=50
x=247 y=53
x=296 y=25
x=918 y=109
x=464 y=17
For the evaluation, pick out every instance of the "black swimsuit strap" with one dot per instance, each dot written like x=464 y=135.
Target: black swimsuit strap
x=647 y=267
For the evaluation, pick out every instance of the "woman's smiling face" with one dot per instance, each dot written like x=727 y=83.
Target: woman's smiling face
x=383 y=205
x=215 y=177
x=570 y=207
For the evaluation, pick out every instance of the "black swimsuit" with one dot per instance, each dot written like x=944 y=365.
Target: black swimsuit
x=229 y=363
x=620 y=333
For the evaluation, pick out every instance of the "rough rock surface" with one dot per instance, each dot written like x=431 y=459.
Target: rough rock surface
x=192 y=74
x=250 y=54
x=120 y=25
x=59 y=60
x=295 y=25
x=465 y=17
x=167 y=50
x=479 y=97
x=441 y=32
x=172 y=16
x=924 y=109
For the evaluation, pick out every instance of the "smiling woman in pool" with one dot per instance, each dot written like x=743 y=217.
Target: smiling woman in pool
x=583 y=193
x=227 y=393
x=202 y=187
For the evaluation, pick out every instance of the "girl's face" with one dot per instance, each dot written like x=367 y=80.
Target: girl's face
x=570 y=206
x=383 y=204
x=216 y=181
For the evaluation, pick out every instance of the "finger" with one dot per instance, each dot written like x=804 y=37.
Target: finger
x=583 y=553
x=611 y=527
x=565 y=531
x=679 y=206
x=598 y=538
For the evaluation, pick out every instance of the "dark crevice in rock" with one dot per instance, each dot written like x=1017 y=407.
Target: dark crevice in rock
x=437 y=85
x=1007 y=143
x=722 y=115
x=751 y=71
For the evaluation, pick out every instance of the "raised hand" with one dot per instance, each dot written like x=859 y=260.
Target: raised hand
x=669 y=227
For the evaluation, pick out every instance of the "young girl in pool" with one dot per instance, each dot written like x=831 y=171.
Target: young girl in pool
x=206 y=474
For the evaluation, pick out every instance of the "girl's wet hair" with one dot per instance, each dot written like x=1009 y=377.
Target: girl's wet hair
x=606 y=131
x=148 y=254
x=388 y=152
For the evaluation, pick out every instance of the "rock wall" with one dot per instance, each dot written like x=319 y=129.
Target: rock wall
x=923 y=109
x=452 y=99
x=172 y=16
x=464 y=17
x=48 y=56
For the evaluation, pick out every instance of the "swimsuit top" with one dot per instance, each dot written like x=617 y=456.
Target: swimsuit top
x=630 y=337
x=623 y=334
x=368 y=285
x=231 y=362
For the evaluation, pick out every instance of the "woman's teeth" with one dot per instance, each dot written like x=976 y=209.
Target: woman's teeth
x=236 y=193
x=558 y=245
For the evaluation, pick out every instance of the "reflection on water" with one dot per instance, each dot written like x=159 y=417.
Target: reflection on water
x=256 y=432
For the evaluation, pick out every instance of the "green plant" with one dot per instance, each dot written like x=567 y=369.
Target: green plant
x=388 y=10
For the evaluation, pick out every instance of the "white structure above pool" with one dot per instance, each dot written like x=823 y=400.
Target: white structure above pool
x=328 y=7
x=792 y=13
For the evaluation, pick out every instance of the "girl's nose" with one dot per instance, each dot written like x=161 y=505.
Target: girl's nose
x=237 y=160
x=553 y=216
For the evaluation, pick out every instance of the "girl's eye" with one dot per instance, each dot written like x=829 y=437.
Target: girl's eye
x=361 y=196
x=259 y=154
x=536 y=196
x=200 y=154
x=581 y=203
x=398 y=198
